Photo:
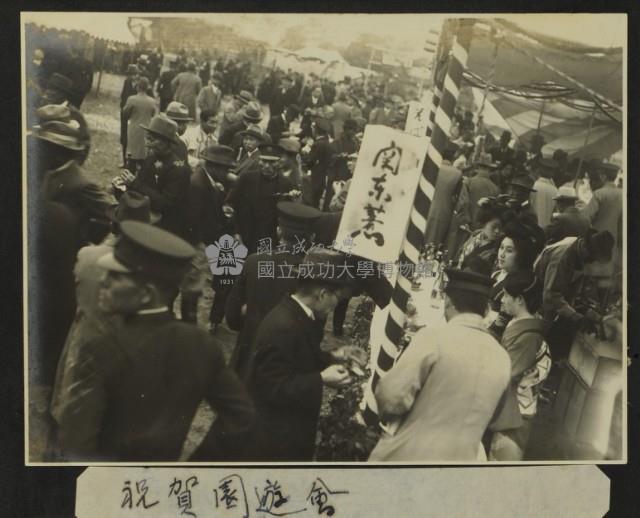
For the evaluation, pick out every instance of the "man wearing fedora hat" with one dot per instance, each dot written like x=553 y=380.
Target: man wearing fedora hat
x=251 y=116
x=186 y=86
x=566 y=221
x=138 y=111
x=59 y=90
x=444 y=388
x=256 y=194
x=136 y=392
x=66 y=211
x=481 y=186
x=288 y=371
x=179 y=114
x=90 y=322
x=248 y=155
x=545 y=190
x=163 y=177
x=207 y=222
x=519 y=190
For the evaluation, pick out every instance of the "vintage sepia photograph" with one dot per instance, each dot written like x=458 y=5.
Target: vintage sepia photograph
x=324 y=238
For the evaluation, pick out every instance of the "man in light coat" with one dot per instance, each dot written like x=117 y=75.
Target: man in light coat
x=138 y=110
x=439 y=397
x=187 y=86
x=543 y=199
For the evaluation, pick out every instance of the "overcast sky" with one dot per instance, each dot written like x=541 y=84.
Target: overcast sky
x=605 y=30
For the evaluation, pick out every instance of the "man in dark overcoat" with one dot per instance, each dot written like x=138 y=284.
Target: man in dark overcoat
x=255 y=196
x=163 y=177
x=255 y=293
x=319 y=161
x=136 y=392
x=288 y=371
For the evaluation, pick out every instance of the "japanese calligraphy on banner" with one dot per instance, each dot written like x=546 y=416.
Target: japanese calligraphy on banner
x=240 y=492
x=418 y=118
x=381 y=195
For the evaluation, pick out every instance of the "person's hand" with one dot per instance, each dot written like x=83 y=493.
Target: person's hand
x=127 y=177
x=335 y=376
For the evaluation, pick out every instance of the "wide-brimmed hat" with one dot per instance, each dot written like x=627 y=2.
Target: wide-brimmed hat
x=133 y=206
x=244 y=96
x=290 y=145
x=217 y=154
x=253 y=130
x=163 y=127
x=178 y=112
x=566 y=193
x=524 y=182
x=53 y=112
x=150 y=251
x=252 y=113
x=61 y=83
x=63 y=134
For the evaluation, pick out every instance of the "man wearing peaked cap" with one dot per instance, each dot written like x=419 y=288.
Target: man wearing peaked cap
x=90 y=321
x=256 y=194
x=459 y=358
x=289 y=370
x=567 y=220
x=291 y=161
x=163 y=177
x=136 y=395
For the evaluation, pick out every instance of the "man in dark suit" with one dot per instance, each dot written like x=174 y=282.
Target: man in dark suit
x=164 y=88
x=282 y=97
x=319 y=161
x=163 y=178
x=248 y=154
x=207 y=223
x=567 y=221
x=255 y=196
x=251 y=115
x=254 y=295
x=136 y=393
x=288 y=372
x=278 y=126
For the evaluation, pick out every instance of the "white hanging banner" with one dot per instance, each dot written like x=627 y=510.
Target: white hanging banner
x=376 y=213
x=418 y=117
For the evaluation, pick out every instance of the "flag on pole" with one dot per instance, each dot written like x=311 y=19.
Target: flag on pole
x=414 y=237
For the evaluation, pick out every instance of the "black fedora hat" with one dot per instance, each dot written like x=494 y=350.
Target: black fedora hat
x=133 y=206
x=217 y=154
x=162 y=126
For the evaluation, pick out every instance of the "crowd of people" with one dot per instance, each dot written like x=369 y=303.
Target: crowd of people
x=207 y=185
